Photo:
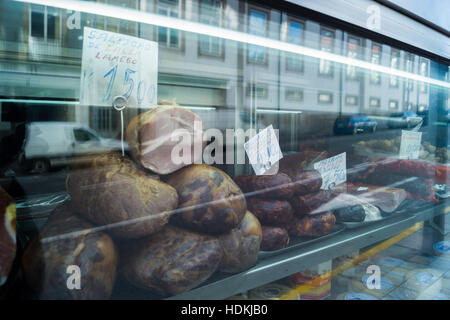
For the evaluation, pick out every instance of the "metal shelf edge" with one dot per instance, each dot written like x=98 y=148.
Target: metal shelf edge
x=277 y=267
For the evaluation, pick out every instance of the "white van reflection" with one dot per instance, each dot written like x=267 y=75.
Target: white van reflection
x=50 y=144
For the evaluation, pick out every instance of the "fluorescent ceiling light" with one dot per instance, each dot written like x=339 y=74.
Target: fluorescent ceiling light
x=277 y=111
x=39 y=101
x=199 y=108
x=61 y=102
x=195 y=27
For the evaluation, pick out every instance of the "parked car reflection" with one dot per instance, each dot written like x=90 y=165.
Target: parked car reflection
x=405 y=119
x=354 y=123
x=49 y=144
x=423 y=113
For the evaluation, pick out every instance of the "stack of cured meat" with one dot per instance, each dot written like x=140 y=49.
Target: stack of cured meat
x=416 y=177
x=284 y=202
x=156 y=222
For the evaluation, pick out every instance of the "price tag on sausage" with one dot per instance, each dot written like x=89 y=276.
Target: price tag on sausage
x=410 y=144
x=333 y=171
x=263 y=151
x=118 y=65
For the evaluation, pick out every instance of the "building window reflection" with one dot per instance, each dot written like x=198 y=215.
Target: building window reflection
x=326 y=44
x=211 y=13
x=257 y=25
x=169 y=37
x=295 y=34
x=395 y=63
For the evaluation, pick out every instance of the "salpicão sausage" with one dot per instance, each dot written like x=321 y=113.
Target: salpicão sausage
x=277 y=186
x=274 y=238
x=271 y=212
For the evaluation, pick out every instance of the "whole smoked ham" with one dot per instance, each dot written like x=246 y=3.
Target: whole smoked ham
x=209 y=200
x=66 y=241
x=111 y=191
x=172 y=261
x=241 y=245
x=153 y=139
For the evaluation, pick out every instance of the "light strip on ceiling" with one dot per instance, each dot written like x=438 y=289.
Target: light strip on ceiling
x=59 y=102
x=194 y=27
x=277 y=111
x=199 y=108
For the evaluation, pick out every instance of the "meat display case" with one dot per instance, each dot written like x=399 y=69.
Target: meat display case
x=292 y=261
x=356 y=151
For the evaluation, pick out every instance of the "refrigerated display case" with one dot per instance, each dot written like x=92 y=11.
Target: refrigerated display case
x=222 y=149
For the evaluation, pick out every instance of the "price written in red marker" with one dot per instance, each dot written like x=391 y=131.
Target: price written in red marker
x=410 y=144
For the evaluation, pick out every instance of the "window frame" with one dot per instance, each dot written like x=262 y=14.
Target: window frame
x=380 y=54
x=377 y=106
x=249 y=91
x=396 y=68
x=287 y=88
x=333 y=39
x=396 y=104
x=423 y=84
x=409 y=57
x=89 y=133
x=221 y=55
x=181 y=8
x=301 y=69
x=58 y=30
x=352 y=96
x=359 y=56
x=265 y=62
x=325 y=103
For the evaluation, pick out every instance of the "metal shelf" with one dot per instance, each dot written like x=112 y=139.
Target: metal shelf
x=273 y=268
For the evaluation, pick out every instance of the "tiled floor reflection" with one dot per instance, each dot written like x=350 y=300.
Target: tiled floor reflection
x=415 y=268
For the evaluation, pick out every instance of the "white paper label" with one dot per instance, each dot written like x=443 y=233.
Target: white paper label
x=333 y=170
x=263 y=151
x=118 y=65
x=410 y=144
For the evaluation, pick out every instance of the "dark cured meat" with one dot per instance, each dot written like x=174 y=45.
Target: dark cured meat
x=274 y=238
x=111 y=191
x=305 y=181
x=171 y=261
x=277 y=186
x=240 y=246
x=350 y=214
x=316 y=225
x=306 y=204
x=407 y=168
x=46 y=259
x=417 y=188
x=301 y=160
x=271 y=212
x=386 y=198
x=209 y=200
x=359 y=167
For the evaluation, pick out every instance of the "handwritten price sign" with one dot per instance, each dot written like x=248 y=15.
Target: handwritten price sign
x=410 y=144
x=263 y=151
x=118 y=65
x=333 y=170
